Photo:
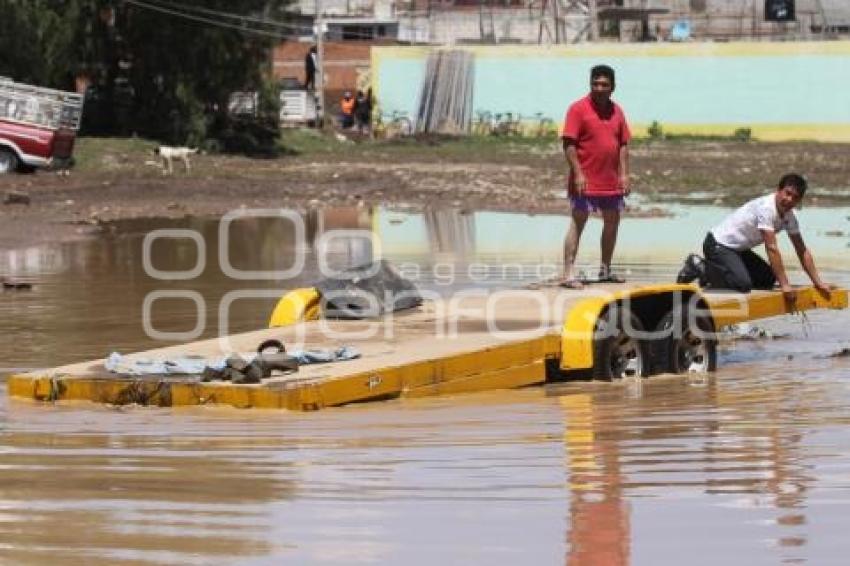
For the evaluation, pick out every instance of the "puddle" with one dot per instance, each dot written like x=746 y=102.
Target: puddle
x=590 y=473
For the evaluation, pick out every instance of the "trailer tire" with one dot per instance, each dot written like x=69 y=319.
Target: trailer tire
x=616 y=352
x=8 y=161
x=688 y=346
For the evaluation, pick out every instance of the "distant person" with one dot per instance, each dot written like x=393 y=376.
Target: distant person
x=346 y=107
x=731 y=263
x=363 y=111
x=310 y=64
x=595 y=139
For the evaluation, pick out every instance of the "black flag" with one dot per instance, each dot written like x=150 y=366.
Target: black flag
x=779 y=10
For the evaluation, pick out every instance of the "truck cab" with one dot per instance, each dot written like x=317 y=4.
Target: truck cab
x=38 y=126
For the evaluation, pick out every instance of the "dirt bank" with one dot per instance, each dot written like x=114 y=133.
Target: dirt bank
x=117 y=179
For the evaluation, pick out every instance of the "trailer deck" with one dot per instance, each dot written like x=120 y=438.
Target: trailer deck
x=465 y=343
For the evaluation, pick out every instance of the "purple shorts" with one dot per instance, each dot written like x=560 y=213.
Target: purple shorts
x=596 y=204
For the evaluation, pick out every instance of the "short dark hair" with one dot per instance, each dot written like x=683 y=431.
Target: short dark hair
x=795 y=181
x=602 y=71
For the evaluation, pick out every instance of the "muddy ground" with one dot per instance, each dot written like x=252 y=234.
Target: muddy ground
x=118 y=179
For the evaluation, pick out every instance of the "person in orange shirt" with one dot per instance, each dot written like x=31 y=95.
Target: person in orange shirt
x=346 y=106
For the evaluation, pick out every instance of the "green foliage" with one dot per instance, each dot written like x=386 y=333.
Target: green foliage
x=655 y=131
x=151 y=74
x=22 y=25
x=743 y=134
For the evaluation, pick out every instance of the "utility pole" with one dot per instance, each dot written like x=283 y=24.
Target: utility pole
x=556 y=17
x=320 y=64
x=552 y=32
x=823 y=27
x=593 y=16
x=560 y=17
x=755 y=21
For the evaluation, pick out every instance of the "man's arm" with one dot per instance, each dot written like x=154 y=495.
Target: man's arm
x=572 y=161
x=775 y=258
x=808 y=263
x=625 y=183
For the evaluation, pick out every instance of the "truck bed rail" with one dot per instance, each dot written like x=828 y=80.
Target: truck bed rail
x=40 y=106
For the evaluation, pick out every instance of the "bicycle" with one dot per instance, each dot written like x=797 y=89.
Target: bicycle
x=483 y=125
x=545 y=125
x=506 y=125
x=392 y=124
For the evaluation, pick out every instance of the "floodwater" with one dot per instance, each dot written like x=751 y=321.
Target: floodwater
x=747 y=466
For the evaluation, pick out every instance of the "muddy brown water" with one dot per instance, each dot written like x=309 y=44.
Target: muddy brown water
x=748 y=466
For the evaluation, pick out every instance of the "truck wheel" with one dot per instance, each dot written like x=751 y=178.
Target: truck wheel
x=617 y=353
x=688 y=346
x=8 y=161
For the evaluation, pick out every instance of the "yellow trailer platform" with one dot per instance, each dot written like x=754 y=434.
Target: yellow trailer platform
x=471 y=341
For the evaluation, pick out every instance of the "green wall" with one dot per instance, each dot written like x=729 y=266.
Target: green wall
x=781 y=90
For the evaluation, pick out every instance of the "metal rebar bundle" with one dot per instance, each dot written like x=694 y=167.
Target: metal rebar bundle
x=445 y=98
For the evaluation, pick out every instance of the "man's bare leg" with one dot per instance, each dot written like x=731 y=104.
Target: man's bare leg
x=579 y=219
x=610 y=226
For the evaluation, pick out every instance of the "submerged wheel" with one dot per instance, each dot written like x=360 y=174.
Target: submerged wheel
x=618 y=350
x=687 y=346
x=8 y=161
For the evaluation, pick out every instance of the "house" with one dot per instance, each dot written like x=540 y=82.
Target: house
x=353 y=27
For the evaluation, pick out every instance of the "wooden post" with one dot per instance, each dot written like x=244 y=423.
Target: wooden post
x=320 y=64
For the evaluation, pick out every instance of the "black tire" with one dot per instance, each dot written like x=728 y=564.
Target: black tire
x=273 y=344
x=9 y=161
x=616 y=352
x=688 y=346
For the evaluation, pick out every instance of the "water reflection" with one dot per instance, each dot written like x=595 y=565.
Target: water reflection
x=89 y=296
x=578 y=473
x=599 y=531
x=144 y=490
x=451 y=233
x=749 y=466
x=731 y=447
x=35 y=260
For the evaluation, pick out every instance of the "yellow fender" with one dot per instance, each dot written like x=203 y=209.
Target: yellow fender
x=296 y=306
x=577 y=333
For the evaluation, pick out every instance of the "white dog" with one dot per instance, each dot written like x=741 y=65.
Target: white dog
x=168 y=154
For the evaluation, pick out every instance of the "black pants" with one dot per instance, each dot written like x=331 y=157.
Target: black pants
x=738 y=271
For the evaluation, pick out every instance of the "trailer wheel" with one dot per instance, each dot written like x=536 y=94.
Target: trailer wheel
x=617 y=352
x=689 y=346
x=8 y=161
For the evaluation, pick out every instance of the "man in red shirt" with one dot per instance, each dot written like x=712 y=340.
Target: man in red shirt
x=595 y=138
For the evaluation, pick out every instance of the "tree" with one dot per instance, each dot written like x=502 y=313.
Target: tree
x=21 y=38
x=159 y=68
x=183 y=72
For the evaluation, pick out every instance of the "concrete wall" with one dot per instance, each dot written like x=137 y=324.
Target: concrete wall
x=745 y=19
x=508 y=25
x=446 y=24
x=780 y=90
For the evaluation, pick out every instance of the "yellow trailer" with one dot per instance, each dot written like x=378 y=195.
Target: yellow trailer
x=471 y=341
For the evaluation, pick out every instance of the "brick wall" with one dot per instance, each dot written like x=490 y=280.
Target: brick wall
x=344 y=61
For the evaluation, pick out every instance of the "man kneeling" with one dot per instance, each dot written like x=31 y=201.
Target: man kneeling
x=730 y=261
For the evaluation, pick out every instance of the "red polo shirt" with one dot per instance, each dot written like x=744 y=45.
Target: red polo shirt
x=599 y=137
